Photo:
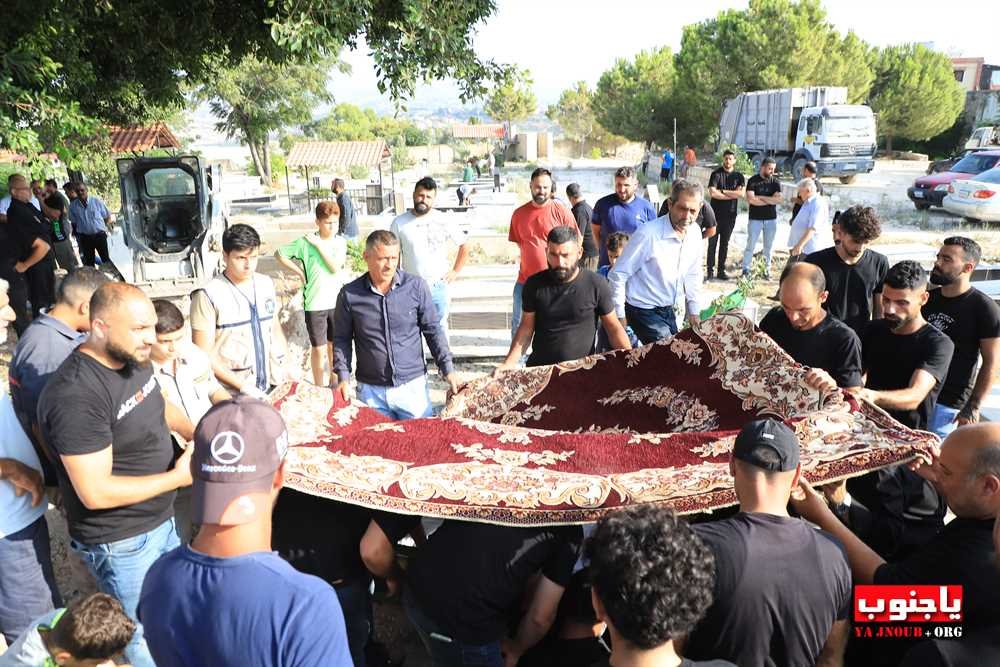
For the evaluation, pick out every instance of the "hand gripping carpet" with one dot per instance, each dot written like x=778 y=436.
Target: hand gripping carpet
x=566 y=443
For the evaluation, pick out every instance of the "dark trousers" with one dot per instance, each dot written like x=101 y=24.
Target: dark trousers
x=651 y=324
x=723 y=232
x=42 y=284
x=18 y=295
x=448 y=651
x=356 y=602
x=89 y=243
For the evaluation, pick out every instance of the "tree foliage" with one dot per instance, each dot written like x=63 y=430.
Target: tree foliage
x=635 y=98
x=347 y=122
x=257 y=98
x=68 y=68
x=771 y=44
x=574 y=114
x=915 y=93
x=512 y=100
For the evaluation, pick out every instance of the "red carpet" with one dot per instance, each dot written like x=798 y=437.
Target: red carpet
x=565 y=443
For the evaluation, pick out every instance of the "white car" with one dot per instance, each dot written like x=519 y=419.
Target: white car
x=977 y=198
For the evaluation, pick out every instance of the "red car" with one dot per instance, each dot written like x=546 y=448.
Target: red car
x=930 y=190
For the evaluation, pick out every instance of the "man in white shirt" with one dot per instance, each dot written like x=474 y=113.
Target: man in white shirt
x=809 y=223
x=424 y=236
x=660 y=262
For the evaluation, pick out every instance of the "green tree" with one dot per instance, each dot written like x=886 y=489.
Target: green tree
x=915 y=93
x=347 y=122
x=257 y=98
x=635 y=98
x=574 y=114
x=771 y=44
x=512 y=100
x=56 y=87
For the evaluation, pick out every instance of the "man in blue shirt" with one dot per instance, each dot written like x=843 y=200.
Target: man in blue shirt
x=621 y=211
x=43 y=347
x=384 y=313
x=348 y=226
x=667 y=166
x=227 y=599
x=92 y=221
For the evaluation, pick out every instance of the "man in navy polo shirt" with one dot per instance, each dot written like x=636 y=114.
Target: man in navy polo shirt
x=621 y=211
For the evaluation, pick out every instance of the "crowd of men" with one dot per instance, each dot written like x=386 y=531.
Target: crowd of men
x=150 y=432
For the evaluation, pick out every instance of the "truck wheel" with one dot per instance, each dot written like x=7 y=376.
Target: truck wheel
x=799 y=169
x=847 y=180
x=921 y=206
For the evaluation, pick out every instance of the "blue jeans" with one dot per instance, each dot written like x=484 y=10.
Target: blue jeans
x=439 y=295
x=651 y=324
x=753 y=232
x=447 y=651
x=943 y=420
x=515 y=314
x=410 y=400
x=356 y=602
x=27 y=583
x=120 y=567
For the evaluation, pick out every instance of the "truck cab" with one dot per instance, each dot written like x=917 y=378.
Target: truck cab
x=839 y=138
x=984 y=137
x=169 y=237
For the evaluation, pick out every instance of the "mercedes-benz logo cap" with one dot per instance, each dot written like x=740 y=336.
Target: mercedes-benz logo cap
x=238 y=446
x=767 y=444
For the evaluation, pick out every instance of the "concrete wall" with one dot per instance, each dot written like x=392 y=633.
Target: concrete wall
x=435 y=154
x=546 y=147
x=526 y=146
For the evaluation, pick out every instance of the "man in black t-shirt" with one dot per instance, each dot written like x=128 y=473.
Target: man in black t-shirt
x=854 y=273
x=103 y=414
x=561 y=307
x=467 y=583
x=22 y=247
x=323 y=538
x=905 y=360
x=972 y=321
x=726 y=187
x=968 y=476
x=772 y=604
x=811 y=335
x=652 y=582
x=763 y=195
x=582 y=213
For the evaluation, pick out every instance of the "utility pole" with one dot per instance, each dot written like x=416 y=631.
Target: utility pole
x=675 y=144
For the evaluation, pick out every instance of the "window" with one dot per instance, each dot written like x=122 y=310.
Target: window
x=989 y=176
x=960 y=75
x=976 y=163
x=168 y=182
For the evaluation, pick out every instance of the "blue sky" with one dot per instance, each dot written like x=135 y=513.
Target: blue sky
x=563 y=41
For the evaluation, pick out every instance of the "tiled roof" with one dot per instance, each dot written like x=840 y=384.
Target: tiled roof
x=478 y=131
x=10 y=157
x=137 y=139
x=337 y=153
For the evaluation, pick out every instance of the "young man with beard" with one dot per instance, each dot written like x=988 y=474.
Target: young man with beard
x=661 y=259
x=726 y=187
x=425 y=237
x=530 y=225
x=322 y=256
x=562 y=306
x=905 y=360
x=621 y=211
x=813 y=337
x=854 y=273
x=583 y=213
x=763 y=195
x=972 y=321
x=103 y=414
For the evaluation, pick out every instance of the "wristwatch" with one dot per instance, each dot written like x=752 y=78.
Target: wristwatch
x=842 y=509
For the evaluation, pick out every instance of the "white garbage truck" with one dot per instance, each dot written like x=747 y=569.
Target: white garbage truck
x=798 y=125
x=168 y=240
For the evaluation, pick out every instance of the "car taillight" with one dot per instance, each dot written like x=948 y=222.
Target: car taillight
x=951 y=189
x=983 y=194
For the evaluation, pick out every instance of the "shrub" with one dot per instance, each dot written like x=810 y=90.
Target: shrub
x=743 y=163
x=355 y=256
x=359 y=172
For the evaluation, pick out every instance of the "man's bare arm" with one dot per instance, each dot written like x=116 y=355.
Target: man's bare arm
x=99 y=488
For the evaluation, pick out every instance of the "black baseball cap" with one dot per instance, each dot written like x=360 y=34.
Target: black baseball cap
x=771 y=434
x=238 y=446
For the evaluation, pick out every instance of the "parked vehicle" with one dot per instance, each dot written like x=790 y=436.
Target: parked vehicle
x=984 y=137
x=977 y=198
x=169 y=237
x=930 y=190
x=937 y=166
x=798 y=125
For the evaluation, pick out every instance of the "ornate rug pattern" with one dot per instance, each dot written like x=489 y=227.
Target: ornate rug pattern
x=566 y=443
